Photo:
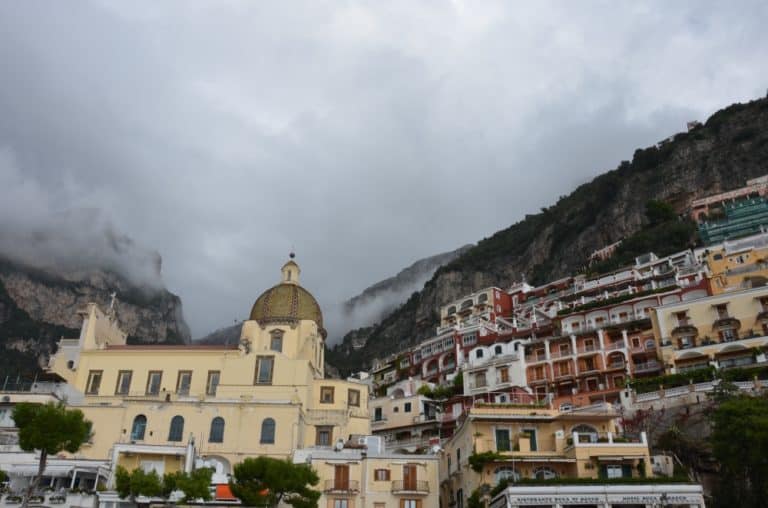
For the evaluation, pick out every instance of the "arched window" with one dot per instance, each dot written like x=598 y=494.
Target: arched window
x=268 y=431
x=544 y=473
x=506 y=473
x=587 y=434
x=138 y=428
x=176 y=432
x=217 y=430
x=498 y=349
x=479 y=353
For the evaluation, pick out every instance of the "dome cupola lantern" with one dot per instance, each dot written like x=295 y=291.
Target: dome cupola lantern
x=288 y=302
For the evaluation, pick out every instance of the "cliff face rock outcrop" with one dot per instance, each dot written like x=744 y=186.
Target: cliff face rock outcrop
x=38 y=306
x=731 y=147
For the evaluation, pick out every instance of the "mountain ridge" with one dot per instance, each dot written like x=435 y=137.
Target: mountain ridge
x=731 y=147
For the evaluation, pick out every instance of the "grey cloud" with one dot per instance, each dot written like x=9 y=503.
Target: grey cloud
x=366 y=134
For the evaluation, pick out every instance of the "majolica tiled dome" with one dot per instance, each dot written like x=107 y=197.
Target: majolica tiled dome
x=287 y=302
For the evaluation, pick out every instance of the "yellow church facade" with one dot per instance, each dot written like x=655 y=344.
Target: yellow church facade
x=160 y=407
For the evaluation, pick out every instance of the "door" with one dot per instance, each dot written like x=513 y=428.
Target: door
x=409 y=477
x=341 y=478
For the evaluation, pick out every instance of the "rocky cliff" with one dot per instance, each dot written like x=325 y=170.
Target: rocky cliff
x=38 y=306
x=731 y=147
x=381 y=298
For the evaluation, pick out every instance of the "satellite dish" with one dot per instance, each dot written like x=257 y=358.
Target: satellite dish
x=339 y=445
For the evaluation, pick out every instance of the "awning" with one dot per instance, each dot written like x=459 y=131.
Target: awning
x=224 y=493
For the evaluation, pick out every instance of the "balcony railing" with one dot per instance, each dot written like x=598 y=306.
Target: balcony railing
x=348 y=487
x=619 y=344
x=410 y=487
x=560 y=354
x=647 y=367
x=540 y=357
x=587 y=349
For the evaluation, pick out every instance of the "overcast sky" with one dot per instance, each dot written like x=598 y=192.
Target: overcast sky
x=365 y=134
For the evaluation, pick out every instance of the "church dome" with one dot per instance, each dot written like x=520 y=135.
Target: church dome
x=287 y=302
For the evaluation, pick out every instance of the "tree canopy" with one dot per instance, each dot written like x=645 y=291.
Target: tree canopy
x=267 y=481
x=739 y=442
x=194 y=485
x=50 y=428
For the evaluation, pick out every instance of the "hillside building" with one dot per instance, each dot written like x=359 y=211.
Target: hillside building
x=406 y=421
x=530 y=444
x=724 y=330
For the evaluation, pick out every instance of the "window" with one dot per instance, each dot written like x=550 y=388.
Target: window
x=264 y=367
x=458 y=458
x=409 y=477
x=323 y=435
x=407 y=407
x=504 y=375
x=480 y=380
x=183 y=382
x=381 y=475
x=176 y=432
x=379 y=505
x=138 y=428
x=276 y=340
x=212 y=383
x=377 y=416
x=544 y=473
x=479 y=353
x=353 y=398
x=616 y=471
x=340 y=503
x=531 y=434
x=410 y=503
x=506 y=473
x=502 y=440
x=94 y=381
x=498 y=349
x=341 y=477
x=123 y=386
x=153 y=382
x=460 y=498
x=396 y=409
x=217 y=430
x=268 y=431
x=326 y=394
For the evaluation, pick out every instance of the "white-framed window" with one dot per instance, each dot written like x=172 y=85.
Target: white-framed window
x=94 y=382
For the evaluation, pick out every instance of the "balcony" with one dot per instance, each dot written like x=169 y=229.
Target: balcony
x=587 y=349
x=414 y=487
x=536 y=357
x=341 y=487
x=561 y=354
x=684 y=329
x=619 y=344
x=647 y=367
x=726 y=322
